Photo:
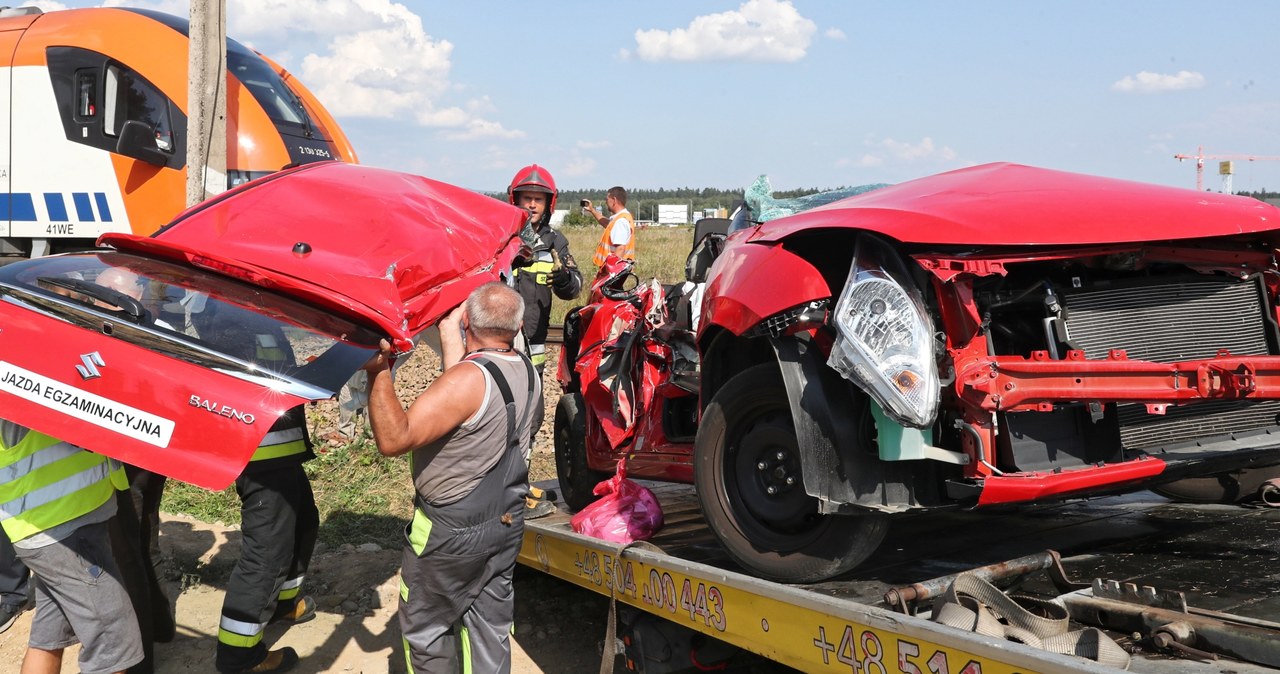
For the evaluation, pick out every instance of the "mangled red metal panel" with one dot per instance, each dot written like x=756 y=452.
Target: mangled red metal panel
x=397 y=249
x=1013 y=205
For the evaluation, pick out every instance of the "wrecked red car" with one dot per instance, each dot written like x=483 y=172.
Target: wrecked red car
x=177 y=352
x=994 y=335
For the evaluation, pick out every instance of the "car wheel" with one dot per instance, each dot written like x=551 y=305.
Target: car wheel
x=748 y=478
x=576 y=478
x=1225 y=488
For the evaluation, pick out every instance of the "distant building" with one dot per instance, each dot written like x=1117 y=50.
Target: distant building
x=557 y=217
x=673 y=214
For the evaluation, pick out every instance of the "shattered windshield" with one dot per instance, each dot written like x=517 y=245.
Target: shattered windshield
x=193 y=315
x=765 y=207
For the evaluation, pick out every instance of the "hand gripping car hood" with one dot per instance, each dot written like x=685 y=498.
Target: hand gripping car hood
x=1012 y=205
x=391 y=249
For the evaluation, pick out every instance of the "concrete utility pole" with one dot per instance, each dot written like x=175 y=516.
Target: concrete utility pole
x=207 y=101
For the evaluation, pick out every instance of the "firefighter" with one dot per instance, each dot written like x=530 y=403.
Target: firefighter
x=550 y=269
x=278 y=516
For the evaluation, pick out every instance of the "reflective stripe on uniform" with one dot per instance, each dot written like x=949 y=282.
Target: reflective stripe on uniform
x=285 y=442
x=30 y=463
x=538 y=354
x=46 y=482
x=290 y=588
x=464 y=648
x=119 y=479
x=419 y=531
x=281 y=436
x=540 y=271
x=239 y=633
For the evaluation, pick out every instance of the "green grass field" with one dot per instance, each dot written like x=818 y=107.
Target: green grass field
x=660 y=254
x=363 y=497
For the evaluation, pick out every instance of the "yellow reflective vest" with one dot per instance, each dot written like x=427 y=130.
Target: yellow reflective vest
x=45 y=482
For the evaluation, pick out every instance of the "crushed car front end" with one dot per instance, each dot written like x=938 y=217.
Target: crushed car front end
x=1007 y=334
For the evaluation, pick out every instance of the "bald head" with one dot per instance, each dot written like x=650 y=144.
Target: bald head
x=495 y=311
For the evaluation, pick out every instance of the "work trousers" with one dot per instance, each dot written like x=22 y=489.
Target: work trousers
x=278 y=526
x=457 y=601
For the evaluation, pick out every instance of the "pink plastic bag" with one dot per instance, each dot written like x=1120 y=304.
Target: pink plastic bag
x=626 y=511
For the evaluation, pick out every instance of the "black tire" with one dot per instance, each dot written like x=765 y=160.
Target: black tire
x=779 y=536
x=575 y=477
x=1226 y=488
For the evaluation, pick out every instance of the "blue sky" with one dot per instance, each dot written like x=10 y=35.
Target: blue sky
x=662 y=93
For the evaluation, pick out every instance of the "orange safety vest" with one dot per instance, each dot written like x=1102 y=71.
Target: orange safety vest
x=606 y=246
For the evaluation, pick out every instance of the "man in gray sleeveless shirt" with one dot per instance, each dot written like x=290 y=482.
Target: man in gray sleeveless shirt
x=467 y=433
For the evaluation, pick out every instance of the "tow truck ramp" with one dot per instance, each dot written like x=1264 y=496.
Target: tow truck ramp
x=1171 y=583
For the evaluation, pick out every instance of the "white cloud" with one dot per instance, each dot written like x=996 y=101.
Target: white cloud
x=759 y=30
x=579 y=165
x=593 y=144
x=361 y=58
x=481 y=105
x=834 y=34
x=1154 y=83
x=476 y=129
x=922 y=150
x=887 y=148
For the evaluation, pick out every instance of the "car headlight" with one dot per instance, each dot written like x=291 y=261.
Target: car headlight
x=885 y=339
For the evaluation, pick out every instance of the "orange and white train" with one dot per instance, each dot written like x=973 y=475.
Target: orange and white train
x=93 y=124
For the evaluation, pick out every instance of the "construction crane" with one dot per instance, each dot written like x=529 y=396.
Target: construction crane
x=1200 y=156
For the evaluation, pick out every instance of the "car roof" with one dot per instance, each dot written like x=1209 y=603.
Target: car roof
x=391 y=249
x=1011 y=204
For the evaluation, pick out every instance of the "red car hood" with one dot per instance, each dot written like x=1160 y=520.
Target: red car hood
x=1013 y=205
x=391 y=249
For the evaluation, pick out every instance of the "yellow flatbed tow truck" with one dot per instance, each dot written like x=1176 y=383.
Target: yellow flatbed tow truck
x=1184 y=588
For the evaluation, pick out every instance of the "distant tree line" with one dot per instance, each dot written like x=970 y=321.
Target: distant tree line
x=643 y=203
x=1262 y=194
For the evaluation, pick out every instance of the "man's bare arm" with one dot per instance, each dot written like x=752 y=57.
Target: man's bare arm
x=446 y=404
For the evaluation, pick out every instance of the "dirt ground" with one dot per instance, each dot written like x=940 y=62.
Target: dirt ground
x=559 y=626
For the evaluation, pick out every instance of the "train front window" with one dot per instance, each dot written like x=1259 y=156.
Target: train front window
x=267 y=88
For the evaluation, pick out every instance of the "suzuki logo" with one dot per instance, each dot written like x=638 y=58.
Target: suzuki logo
x=92 y=361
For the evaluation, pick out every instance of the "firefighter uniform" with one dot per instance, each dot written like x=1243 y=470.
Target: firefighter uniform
x=279 y=523
x=548 y=268
x=536 y=282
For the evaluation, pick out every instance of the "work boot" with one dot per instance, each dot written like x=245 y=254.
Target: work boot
x=300 y=610
x=281 y=660
x=538 y=504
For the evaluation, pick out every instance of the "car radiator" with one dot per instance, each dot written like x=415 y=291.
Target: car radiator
x=1187 y=318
